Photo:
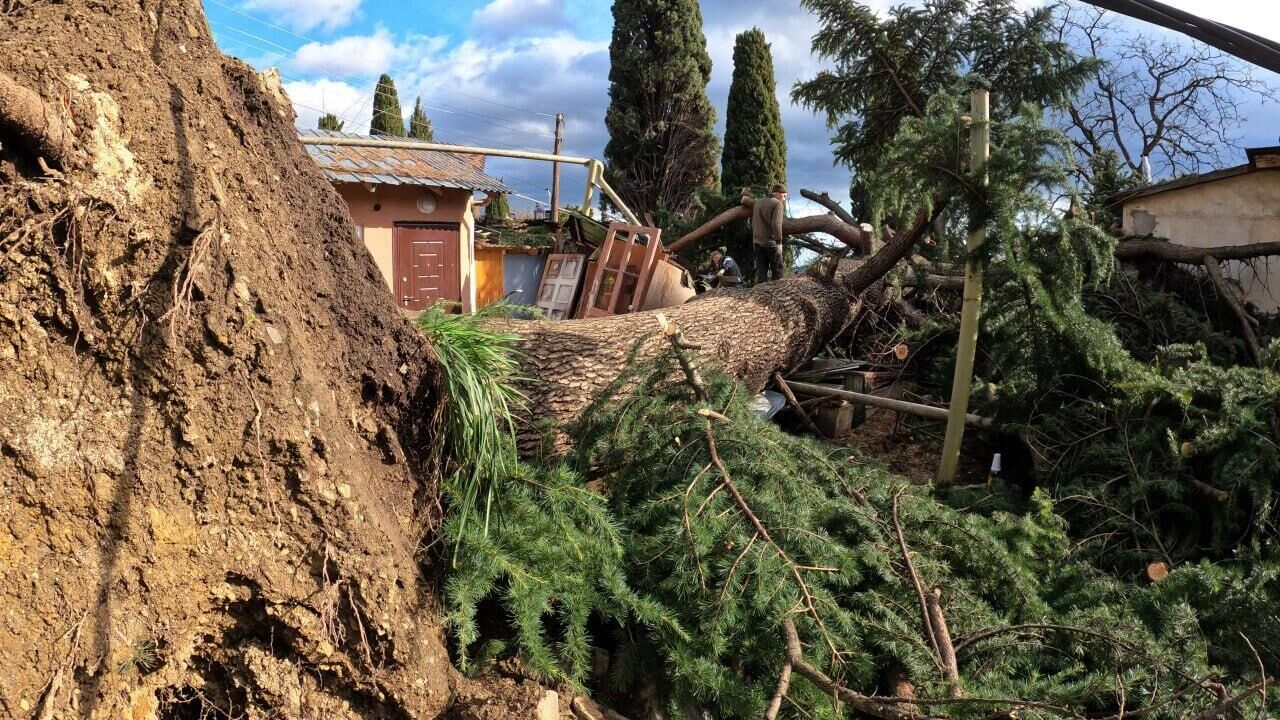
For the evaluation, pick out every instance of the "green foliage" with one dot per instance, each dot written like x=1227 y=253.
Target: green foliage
x=329 y=121
x=479 y=365
x=1108 y=175
x=1186 y=430
x=693 y=595
x=388 y=120
x=419 y=123
x=885 y=69
x=553 y=552
x=498 y=210
x=662 y=144
x=755 y=149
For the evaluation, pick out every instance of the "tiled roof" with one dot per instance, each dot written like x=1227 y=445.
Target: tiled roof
x=344 y=163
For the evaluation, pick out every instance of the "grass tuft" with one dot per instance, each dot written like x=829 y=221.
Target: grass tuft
x=480 y=367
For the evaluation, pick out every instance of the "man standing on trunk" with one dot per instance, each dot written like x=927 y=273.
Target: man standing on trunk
x=766 y=233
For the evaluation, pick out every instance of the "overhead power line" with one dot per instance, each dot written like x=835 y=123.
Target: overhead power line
x=338 y=74
x=441 y=85
x=355 y=119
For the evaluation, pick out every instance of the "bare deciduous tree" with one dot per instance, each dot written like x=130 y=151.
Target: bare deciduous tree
x=1176 y=102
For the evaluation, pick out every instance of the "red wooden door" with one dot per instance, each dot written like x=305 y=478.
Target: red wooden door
x=426 y=262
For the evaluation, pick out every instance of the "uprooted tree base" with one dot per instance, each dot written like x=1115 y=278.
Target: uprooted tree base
x=214 y=488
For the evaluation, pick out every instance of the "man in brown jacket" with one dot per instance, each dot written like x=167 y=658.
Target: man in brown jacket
x=766 y=233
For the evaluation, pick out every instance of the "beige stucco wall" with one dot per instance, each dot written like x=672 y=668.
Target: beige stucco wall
x=1233 y=211
x=376 y=211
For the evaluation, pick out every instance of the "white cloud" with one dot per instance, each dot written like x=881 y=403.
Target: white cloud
x=304 y=15
x=789 y=31
x=359 y=55
x=311 y=98
x=505 y=18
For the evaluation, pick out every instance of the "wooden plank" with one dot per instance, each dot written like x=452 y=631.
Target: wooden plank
x=596 y=272
x=647 y=262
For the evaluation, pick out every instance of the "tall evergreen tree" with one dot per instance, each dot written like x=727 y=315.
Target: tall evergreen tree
x=329 y=121
x=662 y=144
x=387 y=118
x=755 y=149
x=885 y=69
x=498 y=210
x=420 y=124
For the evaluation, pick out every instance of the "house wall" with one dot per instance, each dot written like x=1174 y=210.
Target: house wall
x=399 y=203
x=1239 y=210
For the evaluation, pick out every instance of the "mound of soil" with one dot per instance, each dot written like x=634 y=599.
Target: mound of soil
x=214 y=492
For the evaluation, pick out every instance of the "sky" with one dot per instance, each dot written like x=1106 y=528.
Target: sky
x=495 y=72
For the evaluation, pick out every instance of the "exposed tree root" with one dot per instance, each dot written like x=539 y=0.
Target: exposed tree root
x=41 y=127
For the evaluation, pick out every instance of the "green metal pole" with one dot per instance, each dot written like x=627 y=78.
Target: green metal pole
x=980 y=152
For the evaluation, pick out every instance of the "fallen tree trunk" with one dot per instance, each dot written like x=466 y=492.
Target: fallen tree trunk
x=1188 y=255
x=751 y=333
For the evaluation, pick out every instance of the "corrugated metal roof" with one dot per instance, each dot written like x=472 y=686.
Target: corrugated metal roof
x=342 y=163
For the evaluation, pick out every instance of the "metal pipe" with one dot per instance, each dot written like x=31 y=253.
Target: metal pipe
x=609 y=192
x=595 y=168
x=438 y=147
x=931 y=412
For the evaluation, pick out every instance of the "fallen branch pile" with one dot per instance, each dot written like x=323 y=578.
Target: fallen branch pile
x=756 y=571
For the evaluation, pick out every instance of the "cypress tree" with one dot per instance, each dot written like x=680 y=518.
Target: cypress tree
x=387 y=118
x=662 y=144
x=755 y=149
x=329 y=121
x=420 y=124
x=498 y=209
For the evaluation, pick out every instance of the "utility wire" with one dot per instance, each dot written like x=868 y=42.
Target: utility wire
x=273 y=26
x=355 y=120
x=338 y=74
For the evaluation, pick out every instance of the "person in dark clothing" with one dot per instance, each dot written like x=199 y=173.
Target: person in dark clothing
x=727 y=272
x=767 y=214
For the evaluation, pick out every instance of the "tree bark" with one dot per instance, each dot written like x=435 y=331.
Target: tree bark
x=1228 y=296
x=850 y=235
x=1188 y=255
x=751 y=333
x=825 y=201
